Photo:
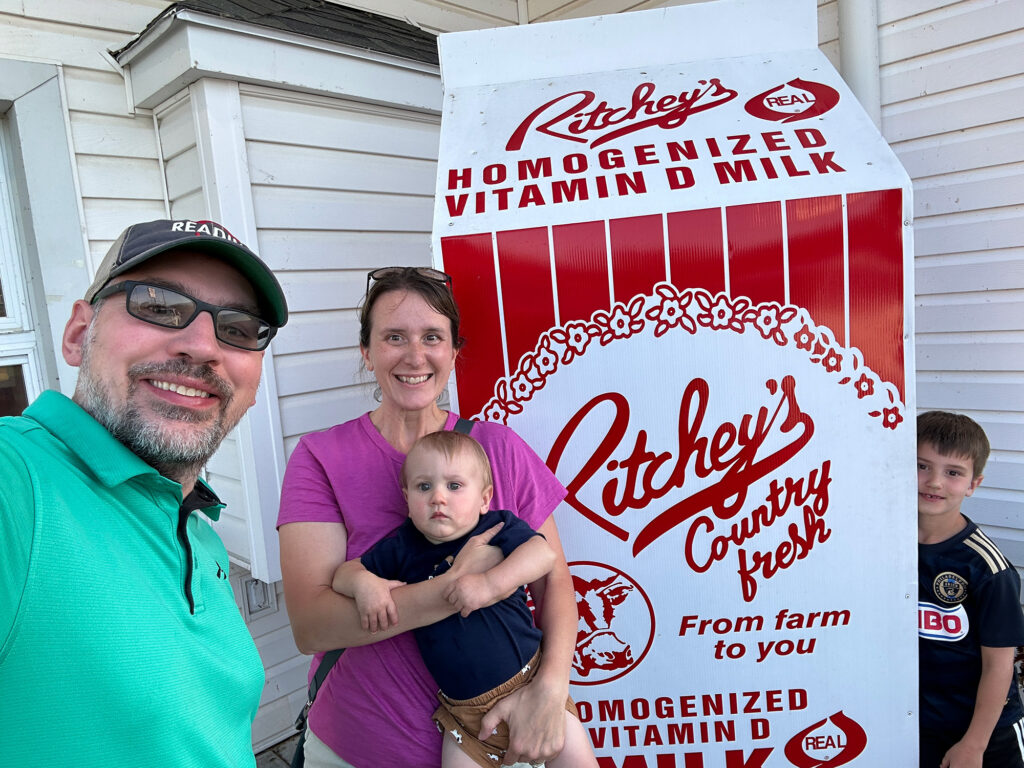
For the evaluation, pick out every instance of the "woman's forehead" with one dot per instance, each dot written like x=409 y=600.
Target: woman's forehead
x=401 y=308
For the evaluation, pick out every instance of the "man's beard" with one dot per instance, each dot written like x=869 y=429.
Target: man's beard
x=176 y=454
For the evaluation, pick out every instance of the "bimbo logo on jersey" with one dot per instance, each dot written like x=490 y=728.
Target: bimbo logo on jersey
x=945 y=624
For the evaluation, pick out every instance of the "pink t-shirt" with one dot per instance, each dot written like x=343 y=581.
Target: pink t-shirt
x=374 y=708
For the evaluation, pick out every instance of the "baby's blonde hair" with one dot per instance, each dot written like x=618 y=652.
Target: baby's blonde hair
x=451 y=445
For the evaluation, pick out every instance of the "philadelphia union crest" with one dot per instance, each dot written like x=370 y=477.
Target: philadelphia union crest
x=950 y=588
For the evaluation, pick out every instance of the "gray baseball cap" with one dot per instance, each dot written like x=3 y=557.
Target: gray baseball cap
x=141 y=242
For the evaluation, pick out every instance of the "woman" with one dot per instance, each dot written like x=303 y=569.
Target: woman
x=341 y=494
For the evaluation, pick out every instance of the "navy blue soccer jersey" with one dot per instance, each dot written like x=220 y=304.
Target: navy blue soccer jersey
x=968 y=596
x=467 y=656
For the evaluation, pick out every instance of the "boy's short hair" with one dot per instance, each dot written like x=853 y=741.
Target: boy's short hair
x=451 y=444
x=953 y=434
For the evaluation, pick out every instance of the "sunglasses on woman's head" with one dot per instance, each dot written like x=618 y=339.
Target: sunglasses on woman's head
x=169 y=308
x=434 y=275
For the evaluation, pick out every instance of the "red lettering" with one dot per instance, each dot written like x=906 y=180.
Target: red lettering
x=774 y=141
x=732 y=452
x=645 y=154
x=825 y=164
x=571 y=115
x=459 y=178
x=679 y=177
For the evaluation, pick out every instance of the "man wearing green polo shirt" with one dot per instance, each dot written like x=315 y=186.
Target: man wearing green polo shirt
x=120 y=640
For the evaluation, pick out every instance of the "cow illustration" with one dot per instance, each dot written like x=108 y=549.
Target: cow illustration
x=597 y=646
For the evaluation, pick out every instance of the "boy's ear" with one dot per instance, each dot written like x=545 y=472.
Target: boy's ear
x=488 y=492
x=974 y=484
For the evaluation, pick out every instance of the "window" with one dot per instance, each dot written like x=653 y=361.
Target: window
x=20 y=379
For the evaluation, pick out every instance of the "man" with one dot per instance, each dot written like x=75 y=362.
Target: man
x=120 y=640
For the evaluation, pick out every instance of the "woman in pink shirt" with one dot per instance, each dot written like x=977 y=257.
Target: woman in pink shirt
x=342 y=494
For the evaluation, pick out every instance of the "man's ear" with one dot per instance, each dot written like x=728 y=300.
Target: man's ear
x=76 y=331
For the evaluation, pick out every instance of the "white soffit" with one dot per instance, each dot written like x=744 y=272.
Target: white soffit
x=188 y=46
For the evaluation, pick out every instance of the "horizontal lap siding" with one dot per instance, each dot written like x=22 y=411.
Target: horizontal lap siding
x=953 y=110
x=115 y=151
x=338 y=189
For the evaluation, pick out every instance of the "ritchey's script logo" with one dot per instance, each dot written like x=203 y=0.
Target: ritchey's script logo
x=579 y=116
x=616 y=623
x=796 y=100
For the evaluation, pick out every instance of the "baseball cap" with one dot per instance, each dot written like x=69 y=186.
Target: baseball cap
x=141 y=242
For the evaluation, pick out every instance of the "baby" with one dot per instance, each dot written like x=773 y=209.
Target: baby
x=491 y=647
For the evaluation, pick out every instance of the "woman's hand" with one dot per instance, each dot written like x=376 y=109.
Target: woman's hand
x=535 y=713
x=477 y=555
x=536 y=723
x=470 y=593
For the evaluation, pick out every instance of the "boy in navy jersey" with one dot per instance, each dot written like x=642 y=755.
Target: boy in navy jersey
x=969 y=616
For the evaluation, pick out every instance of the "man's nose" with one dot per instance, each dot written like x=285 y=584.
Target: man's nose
x=198 y=339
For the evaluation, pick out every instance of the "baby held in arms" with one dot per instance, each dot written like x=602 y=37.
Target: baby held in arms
x=490 y=646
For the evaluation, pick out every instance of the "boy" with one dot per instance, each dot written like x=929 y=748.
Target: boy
x=491 y=647
x=969 y=616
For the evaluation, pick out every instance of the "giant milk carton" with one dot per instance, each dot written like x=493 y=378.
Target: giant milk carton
x=682 y=252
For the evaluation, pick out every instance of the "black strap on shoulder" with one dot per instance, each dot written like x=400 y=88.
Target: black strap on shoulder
x=329 y=660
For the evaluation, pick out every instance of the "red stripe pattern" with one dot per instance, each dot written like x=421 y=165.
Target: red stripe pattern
x=762 y=256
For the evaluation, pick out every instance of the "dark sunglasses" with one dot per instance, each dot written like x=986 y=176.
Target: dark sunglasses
x=434 y=275
x=172 y=309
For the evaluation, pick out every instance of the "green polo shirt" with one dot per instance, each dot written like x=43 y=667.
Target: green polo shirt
x=120 y=640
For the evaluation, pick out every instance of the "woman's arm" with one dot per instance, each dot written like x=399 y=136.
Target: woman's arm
x=530 y=561
x=535 y=714
x=323 y=620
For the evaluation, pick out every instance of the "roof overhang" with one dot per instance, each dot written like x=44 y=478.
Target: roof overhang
x=182 y=46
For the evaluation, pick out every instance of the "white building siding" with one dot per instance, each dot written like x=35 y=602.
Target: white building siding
x=115 y=149
x=338 y=188
x=953 y=110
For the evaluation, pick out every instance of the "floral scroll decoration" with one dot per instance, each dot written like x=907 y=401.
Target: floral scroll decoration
x=671 y=310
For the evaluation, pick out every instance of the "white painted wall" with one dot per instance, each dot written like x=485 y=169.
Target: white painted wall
x=953 y=110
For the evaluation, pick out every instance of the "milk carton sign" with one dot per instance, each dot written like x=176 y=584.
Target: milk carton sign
x=682 y=253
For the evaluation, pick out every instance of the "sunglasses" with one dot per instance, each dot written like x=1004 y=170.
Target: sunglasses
x=434 y=275
x=168 y=308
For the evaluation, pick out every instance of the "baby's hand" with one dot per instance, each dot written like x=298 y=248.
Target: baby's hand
x=470 y=593
x=372 y=594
